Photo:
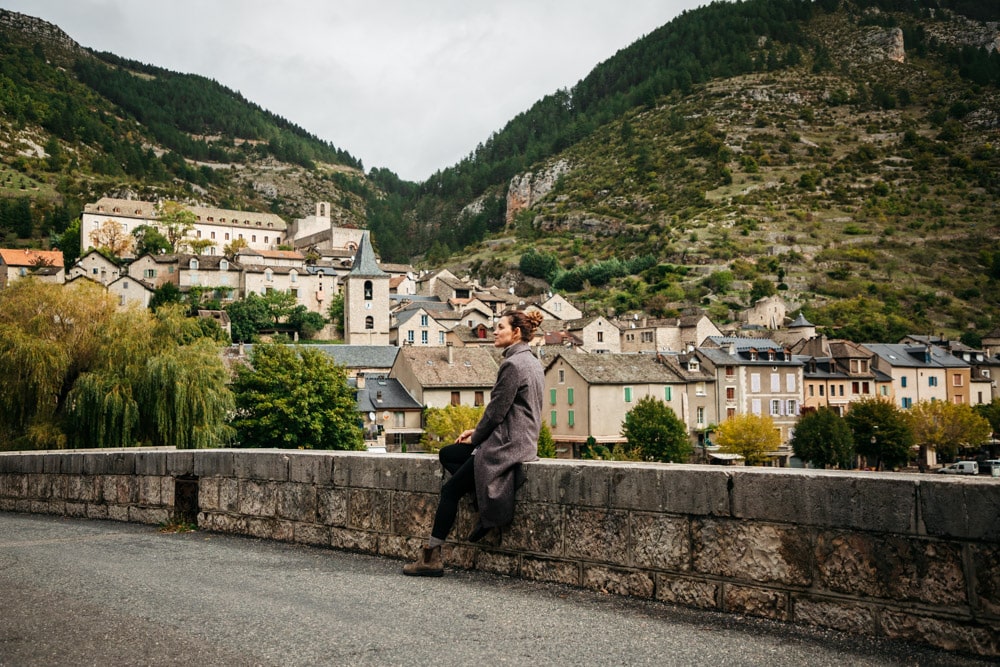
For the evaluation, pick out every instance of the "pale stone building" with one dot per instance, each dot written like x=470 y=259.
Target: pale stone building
x=672 y=334
x=43 y=265
x=366 y=299
x=441 y=376
x=97 y=267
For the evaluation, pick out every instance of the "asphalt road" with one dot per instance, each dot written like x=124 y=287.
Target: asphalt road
x=77 y=592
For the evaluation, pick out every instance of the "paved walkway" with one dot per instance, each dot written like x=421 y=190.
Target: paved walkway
x=77 y=592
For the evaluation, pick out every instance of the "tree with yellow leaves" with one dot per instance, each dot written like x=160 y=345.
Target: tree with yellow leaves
x=112 y=238
x=751 y=436
x=947 y=427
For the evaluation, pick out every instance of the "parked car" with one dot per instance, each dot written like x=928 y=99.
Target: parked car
x=989 y=467
x=961 y=468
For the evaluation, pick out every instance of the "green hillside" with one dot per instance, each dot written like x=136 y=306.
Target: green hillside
x=841 y=153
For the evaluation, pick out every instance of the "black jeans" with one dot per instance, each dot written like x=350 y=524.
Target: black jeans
x=459 y=461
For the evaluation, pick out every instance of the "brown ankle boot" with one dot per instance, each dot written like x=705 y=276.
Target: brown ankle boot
x=429 y=564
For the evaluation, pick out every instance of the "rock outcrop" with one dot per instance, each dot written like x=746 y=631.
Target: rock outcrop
x=528 y=188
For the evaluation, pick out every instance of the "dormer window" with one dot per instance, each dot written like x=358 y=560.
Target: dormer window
x=268 y=275
x=193 y=264
x=693 y=365
x=770 y=355
x=753 y=355
x=293 y=276
x=223 y=265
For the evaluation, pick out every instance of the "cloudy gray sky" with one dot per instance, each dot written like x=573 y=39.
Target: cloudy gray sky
x=412 y=85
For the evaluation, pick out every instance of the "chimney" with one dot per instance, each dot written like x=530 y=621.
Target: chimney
x=451 y=353
x=361 y=380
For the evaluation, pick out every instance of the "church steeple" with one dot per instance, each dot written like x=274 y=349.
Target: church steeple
x=366 y=299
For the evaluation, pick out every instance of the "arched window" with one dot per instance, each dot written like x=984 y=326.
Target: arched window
x=369 y=322
x=223 y=264
x=368 y=290
x=268 y=275
x=193 y=264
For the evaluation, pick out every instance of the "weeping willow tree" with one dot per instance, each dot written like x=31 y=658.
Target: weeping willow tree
x=79 y=373
x=185 y=393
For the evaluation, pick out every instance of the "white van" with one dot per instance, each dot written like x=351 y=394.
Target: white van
x=961 y=468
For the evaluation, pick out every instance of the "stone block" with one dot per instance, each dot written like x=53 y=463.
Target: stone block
x=118 y=512
x=413 y=514
x=369 y=509
x=891 y=567
x=417 y=473
x=73 y=463
x=312 y=534
x=148 y=515
x=30 y=463
x=9 y=463
x=505 y=564
x=947 y=634
x=396 y=546
x=270 y=529
x=459 y=556
x=167 y=488
x=555 y=571
x=227 y=523
x=826 y=498
x=763 y=602
x=13 y=485
x=537 y=528
x=310 y=468
x=7 y=504
x=843 y=615
x=953 y=506
x=354 y=540
x=213 y=463
x=97 y=511
x=180 y=462
x=596 y=535
x=262 y=465
x=677 y=489
x=331 y=506
x=986 y=574
x=150 y=490
x=46 y=506
x=578 y=483
x=229 y=494
x=297 y=502
x=752 y=551
x=76 y=510
x=257 y=499
x=633 y=583
x=151 y=463
x=82 y=488
x=687 y=592
x=357 y=470
x=51 y=463
x=661 y=542
x=42 y=486
x=208 y=494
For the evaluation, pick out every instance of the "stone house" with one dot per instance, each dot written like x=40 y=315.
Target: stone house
x=756 y=376
x=366 y=299
x=462 y=336
x=156 y=270
x=837 y=373
x=130 y=292
x=391 y=417
x=556 y=307
x=97 y=267
x=768 y=312
x=264 y=231
x=44 y=265
x=922 y=373
x=417 y=326
x=699 y=402
x=597 y=334
x=441 y=376
x=588 y=395
x=675 y=334
x=216 y=275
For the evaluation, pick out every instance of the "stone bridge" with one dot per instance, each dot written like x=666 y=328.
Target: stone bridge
x=905 y=556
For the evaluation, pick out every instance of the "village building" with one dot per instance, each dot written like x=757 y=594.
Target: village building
x=391 y=417
x=837 y=373
x=674 y=334
x=587 y=396
x=366 y=299
x=596 y=334
x=441 y=376
x=129 y=292
x=43 y=265
x=97 y=267
x=756 y=376
x=555 y=307
x=262 y=231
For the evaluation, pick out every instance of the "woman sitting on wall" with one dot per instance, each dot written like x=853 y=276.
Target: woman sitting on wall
x=487 y=460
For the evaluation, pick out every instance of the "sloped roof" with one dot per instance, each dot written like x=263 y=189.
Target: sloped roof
x=365 y=265
x=384 y=393
x=620 y=368
x=357 y=356
x=30 y=257
x=470 y=367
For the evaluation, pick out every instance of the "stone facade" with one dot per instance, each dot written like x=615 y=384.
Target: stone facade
x=903 y=556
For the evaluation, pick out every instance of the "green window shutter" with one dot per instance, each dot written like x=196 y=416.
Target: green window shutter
x=553 y=418
x=552 y=396
x=569 y=395
x=668 y=393
x=571 y=420
x=628 y=394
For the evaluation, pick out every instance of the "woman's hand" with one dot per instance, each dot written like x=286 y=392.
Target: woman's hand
x=464 y=437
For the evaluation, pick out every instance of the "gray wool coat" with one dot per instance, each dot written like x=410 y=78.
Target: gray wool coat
x=507 y=434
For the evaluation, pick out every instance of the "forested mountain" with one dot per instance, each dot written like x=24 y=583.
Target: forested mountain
x=841 y=152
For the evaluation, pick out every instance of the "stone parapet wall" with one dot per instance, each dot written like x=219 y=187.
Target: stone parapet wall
x=912 y=557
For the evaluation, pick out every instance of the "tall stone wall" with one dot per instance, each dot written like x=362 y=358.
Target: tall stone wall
x=912 y=557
